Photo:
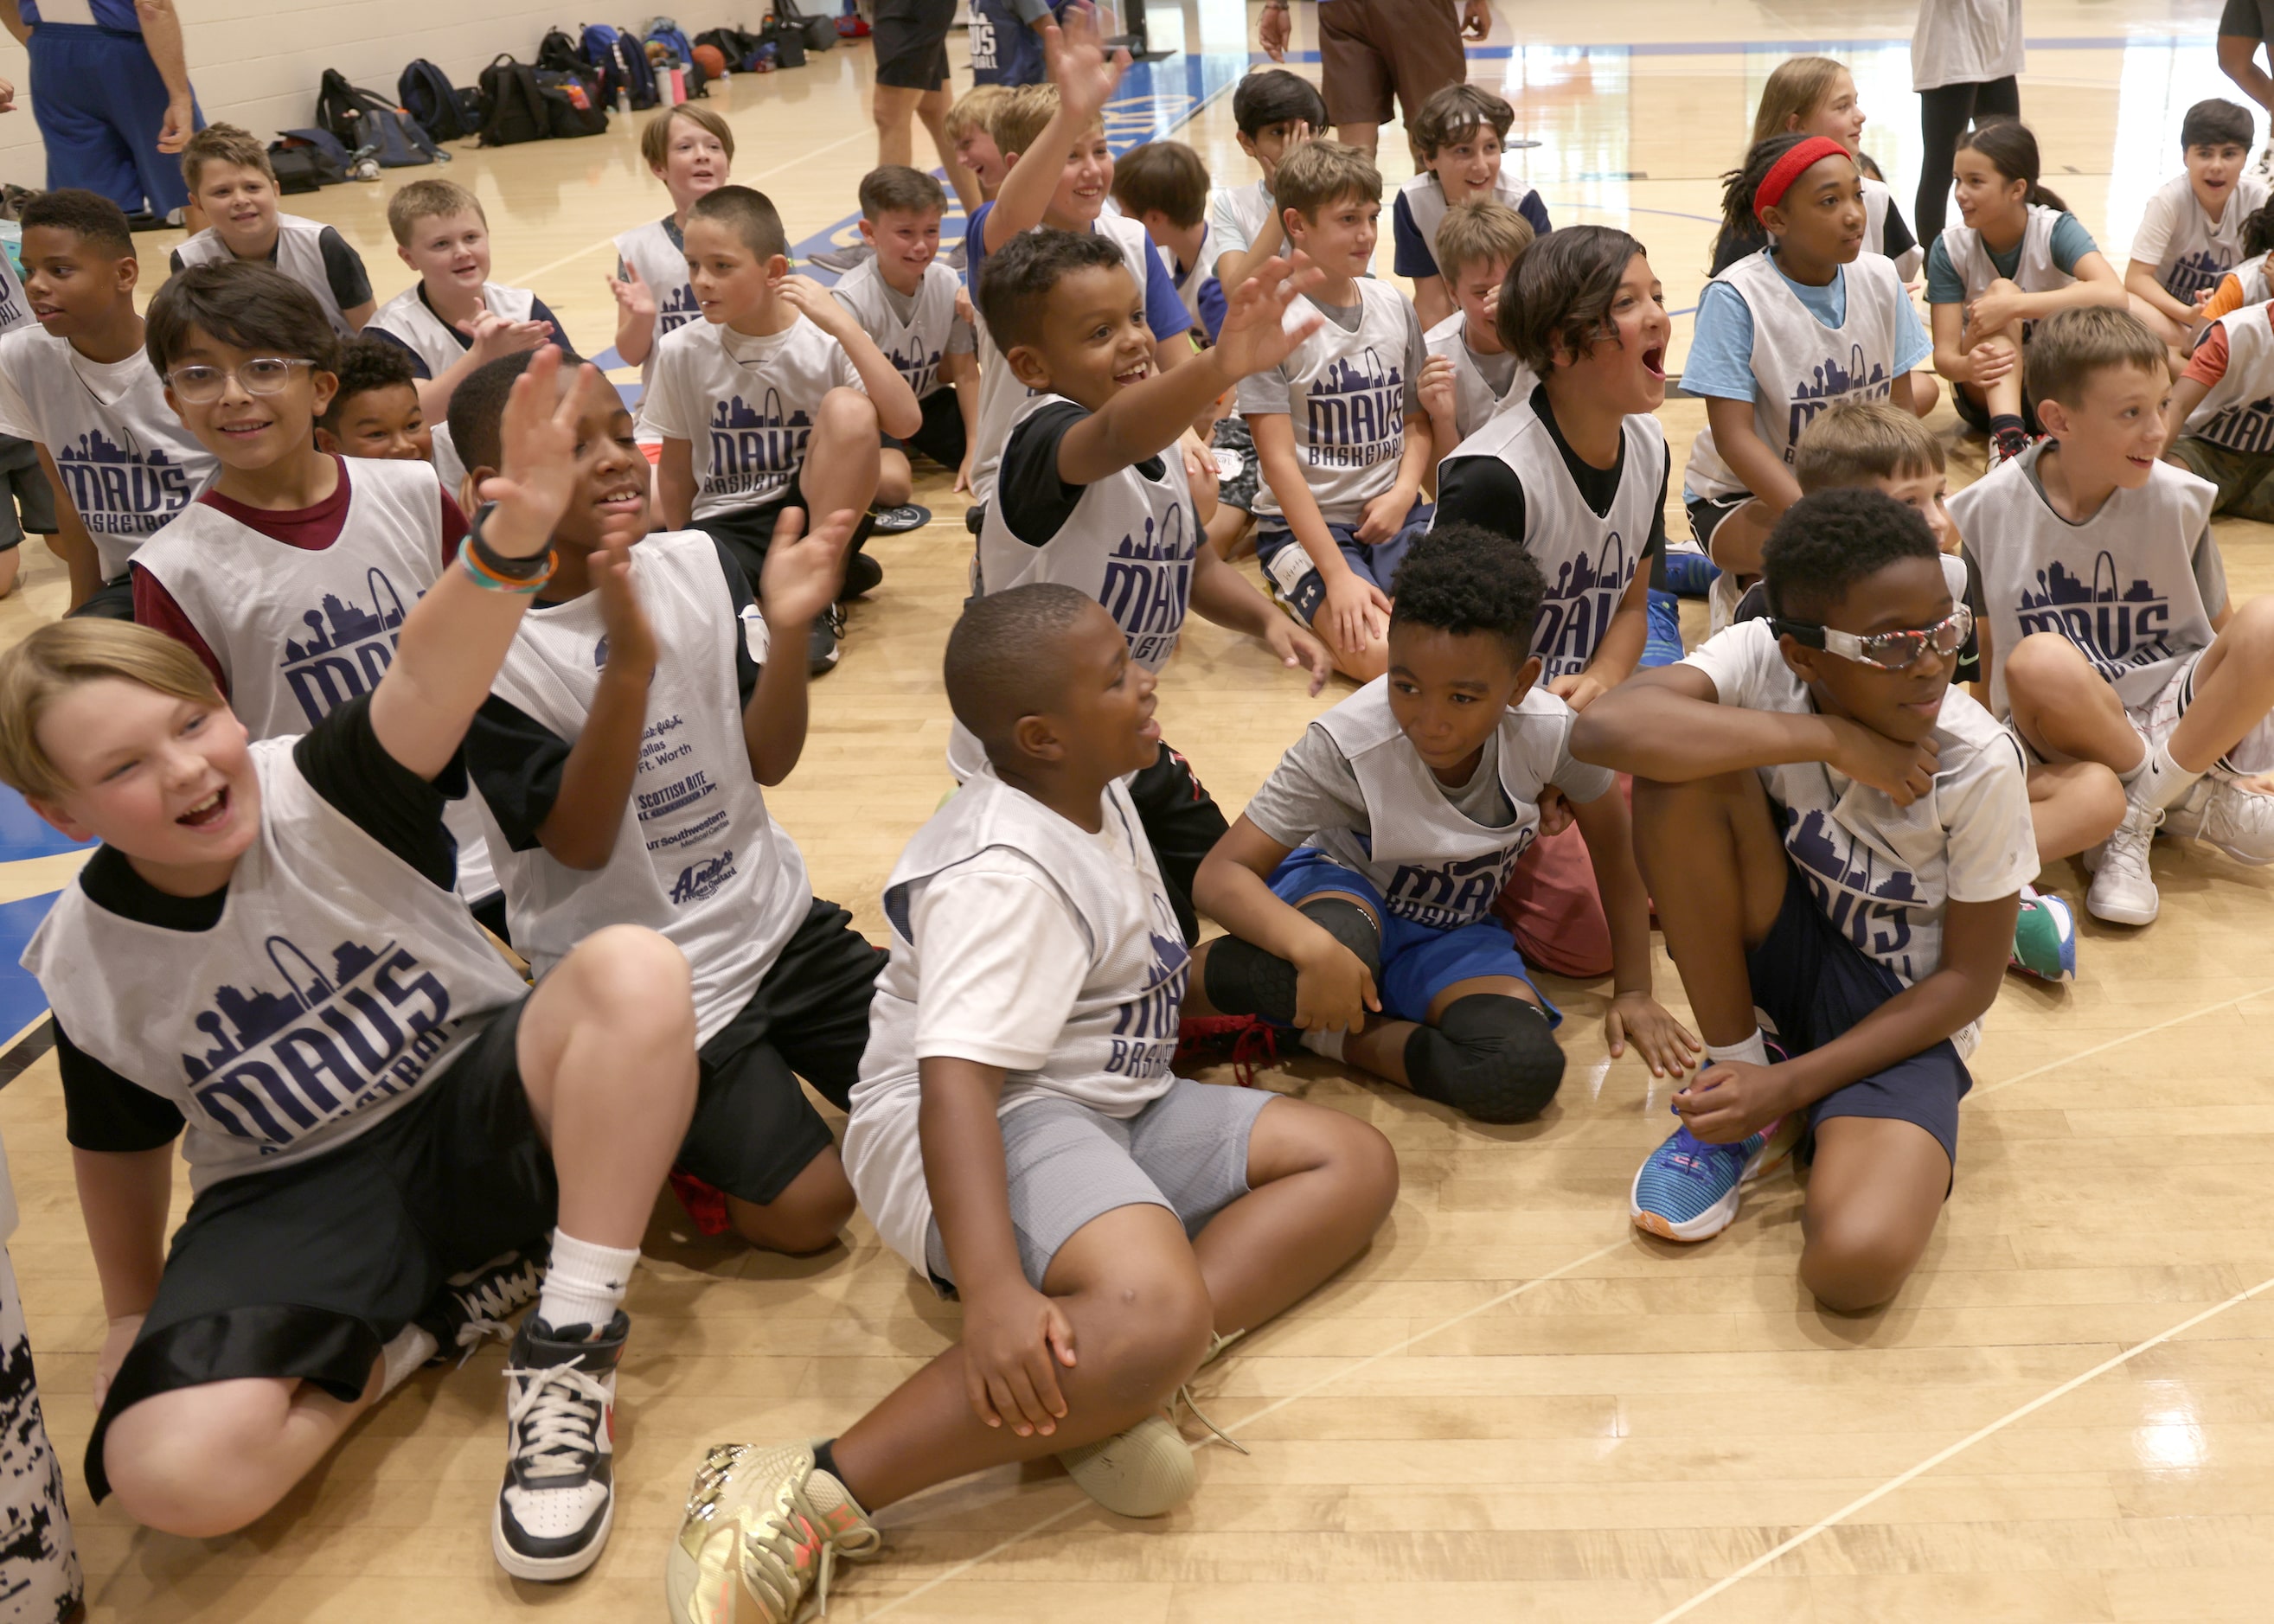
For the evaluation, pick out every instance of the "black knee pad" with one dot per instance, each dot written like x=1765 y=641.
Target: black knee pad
x=1491 y=1058
x=1241 y=979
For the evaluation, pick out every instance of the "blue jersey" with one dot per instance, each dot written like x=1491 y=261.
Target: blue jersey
x=114 y=14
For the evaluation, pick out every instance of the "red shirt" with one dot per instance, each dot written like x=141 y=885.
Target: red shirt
x=312 y=529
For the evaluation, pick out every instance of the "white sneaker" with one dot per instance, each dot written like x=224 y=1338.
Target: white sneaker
x=558 y=1500
x=2221 y=812
x=2123 y=890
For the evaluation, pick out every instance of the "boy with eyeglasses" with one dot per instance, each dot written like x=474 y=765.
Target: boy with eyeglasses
x=1837 y=837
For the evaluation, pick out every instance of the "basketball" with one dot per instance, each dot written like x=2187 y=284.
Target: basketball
x=711 y=60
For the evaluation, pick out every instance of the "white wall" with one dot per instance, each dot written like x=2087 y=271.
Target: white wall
x=256 y=63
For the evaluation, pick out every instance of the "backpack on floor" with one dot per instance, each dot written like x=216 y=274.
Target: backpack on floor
x=302 y=166
x=362 y=119
x=738 y=46
x=819 y=33
x=785 y=38
x=557 y=53
x=666 y=33
x=513 y=106
x=434 y=104
x=621 y=65
x=572 y=107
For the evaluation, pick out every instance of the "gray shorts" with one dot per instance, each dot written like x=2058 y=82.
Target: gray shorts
x=1067 y=1163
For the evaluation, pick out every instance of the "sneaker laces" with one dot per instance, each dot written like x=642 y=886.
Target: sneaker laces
x=553 y=1418
x=492 y=1299
x=1184 y=1393
x=779 y=1547
x=2125 y=855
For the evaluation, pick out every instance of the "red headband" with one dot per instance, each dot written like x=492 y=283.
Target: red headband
x=1789 y=167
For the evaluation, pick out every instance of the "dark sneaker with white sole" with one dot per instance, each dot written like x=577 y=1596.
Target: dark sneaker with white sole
x=481 y=1301
x=822 y=643
x=863 y=574
x=559 y=1497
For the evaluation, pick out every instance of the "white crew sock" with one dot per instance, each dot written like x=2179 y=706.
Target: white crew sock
x=411 y=1348
x=585 y=1283
x=2158 y=780
x=1753 y=1051
x=1322 y=1042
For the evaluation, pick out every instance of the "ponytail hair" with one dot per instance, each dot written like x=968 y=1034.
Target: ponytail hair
x=1738 y=221
x=2013 y=152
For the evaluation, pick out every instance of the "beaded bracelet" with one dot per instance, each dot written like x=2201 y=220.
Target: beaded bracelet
x=491 y=582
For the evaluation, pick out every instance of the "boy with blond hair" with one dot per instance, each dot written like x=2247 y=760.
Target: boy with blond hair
x=1458 y=139
x=454 y=318
x=782 y=391
x=2112 y=638
x=1470 y=370
x=971 y=132
x=690 y=149
x=1339 y=431
x=230 y=176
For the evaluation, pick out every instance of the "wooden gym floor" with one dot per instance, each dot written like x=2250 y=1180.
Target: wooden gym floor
x=1513 y=1406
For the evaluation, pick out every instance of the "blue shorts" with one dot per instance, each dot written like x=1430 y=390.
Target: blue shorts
x=1813 y=983
x=1418 y=963
x=1295 y=581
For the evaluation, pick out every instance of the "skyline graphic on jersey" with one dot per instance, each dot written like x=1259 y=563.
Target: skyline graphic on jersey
x=348 y=648
x=1864 y=872
x=1148 y=586
x=2116 y=628
x=1354 y=413
x=2196 y=272
x=1860 y=379
x=1446 y=895
x=1144 y=1039
x=754 y=447
x=240 y=1020
x=1579 y=606
x=2247 y=427
x=118 y=490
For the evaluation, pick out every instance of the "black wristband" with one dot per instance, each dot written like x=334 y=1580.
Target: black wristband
x=497 y=563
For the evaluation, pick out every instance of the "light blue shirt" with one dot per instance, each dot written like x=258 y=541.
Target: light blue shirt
x=1720 y=361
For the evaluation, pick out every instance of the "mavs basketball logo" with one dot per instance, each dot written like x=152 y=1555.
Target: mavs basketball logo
x=2116 y=630
x=118 y=491
x=1863 y=893
x=348 y=648
x=1145 y=1027
x=755 y=450
x=1446 y=896
x=1148 y=580
x=2248 y=427
x=919 y=363
x=1578 y=609
x=283 y=1065
x=1355 y=413
x=1832 y=383
x=675 y=309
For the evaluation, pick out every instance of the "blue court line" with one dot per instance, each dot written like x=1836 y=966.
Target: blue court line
x=1786 y=47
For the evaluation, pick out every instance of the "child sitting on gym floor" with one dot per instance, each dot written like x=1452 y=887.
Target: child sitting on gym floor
x=1017 y=1136
x=80 y=386
x=454 y=318
x=230 y=176
x=344 y=1169
x=971 y=134
x=1576 y=472
x=1343 y=442
x=1458 y=140
x=690 y=149
x=2190 y=234
x=1092 y=493
x=905 y=296
x=375 y=412
x=1164 y=186
x=783 y=392
x=619 y=759
x=2112 y=638
x=1274 y=112
x=1834 y=834
x=1358 y=886
x=2220 y=422
x=1470 y=371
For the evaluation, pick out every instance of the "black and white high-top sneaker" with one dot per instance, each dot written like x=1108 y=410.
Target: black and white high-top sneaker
x=558 y=1500
x=480 y=1302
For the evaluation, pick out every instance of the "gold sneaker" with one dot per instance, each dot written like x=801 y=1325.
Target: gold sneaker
x=1142 y=1472
x=763 y=1530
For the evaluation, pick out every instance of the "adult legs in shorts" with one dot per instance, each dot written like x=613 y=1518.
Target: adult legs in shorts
x=1369 y=49
x=754 y=1136
x=1183 y=822
x=1295 y=583
x=910 y=37
x=1460 y=1022
x=264 y=1343
x=1147 y=1285
x=1731 y=906
x=2245 y=478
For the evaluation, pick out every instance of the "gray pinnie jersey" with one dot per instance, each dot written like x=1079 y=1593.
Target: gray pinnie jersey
x=15 y=309
x=696 y=856
x=1112 y=1055
x=1475 y=396
x=339 y=983
x=2134 y=587
x=128 y=466
x=1588 y=559
x=2239 y=411
x=1800 y=366
x=299 y=255
x=1346 y=392
x=1433 y=864
x=433 y=341
x=915 y=345
x=648 y=248
x=2035 y=273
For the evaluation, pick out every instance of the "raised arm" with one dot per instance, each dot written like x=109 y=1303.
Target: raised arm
x=800 y=581
x=1073 y=53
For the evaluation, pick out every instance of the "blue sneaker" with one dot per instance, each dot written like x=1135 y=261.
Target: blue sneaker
x=1688 y=572
x=1663 y=643
x=2045 y=938
x=1687 y=1191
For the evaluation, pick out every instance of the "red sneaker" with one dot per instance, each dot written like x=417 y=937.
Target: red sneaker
x=1247 y=1041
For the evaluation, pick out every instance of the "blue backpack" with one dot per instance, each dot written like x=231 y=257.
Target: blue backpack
x=434 y=104
x=621 y=63
x=667 y=33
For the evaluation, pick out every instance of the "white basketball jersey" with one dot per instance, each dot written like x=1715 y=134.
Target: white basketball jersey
x=2239 y=411
x=2201 y=251
x=433 y=341
x=1877 y=202
x=2120 y=586
x=1474 y=398
x=662 y=265
x=1237 y=216
x=15 y=309
x=696 y=856
x=915 y=345
x=338 y=984
x=128 y=465
x=299 y=255
x=2035 y=274
x=1002 y=397
x=1425 y=197
x=1800 y=366
x=1588 y=559
x=1129 y=544
x=1433 y=864
x=745 y=404
x=1112 y=1055
x=1346 y=394
x=2251 y=274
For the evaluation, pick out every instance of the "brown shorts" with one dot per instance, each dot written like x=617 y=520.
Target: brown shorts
x=1369 y=48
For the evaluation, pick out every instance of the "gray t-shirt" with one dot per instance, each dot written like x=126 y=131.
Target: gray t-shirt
x=1347 y=392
